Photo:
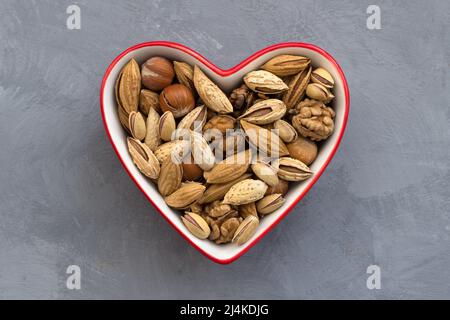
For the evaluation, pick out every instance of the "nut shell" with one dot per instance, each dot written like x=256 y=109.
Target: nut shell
x=246 y=230
x=314 y=120
x=196 y=225
x=286 y=65
x=264 y=82
x=323 y=77
x=178 y=99
x=303 y=149
x=157 y=73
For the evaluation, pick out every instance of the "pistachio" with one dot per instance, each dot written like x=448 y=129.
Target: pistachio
x=230 y=168
x=286 y=132
x=266 y=173
x=270 y=203
x=148 y=100
x=246 y=230
x=265 y=111
x=152 y=136
x=323 y=77
x=210 y=93
x=290 y=169
x=128 y=86
x=144 y=158
x=286 y=65
x=297 y=86
x=166 y=126
x=196 y=225
x=319 y=92
x=185 y=74
x=185 y=196
x=194 y=120
x=246 y=191
x=136 y=123
x=170 y=177
x=264 y=82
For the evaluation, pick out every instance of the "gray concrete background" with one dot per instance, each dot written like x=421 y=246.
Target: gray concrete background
x=65 y=199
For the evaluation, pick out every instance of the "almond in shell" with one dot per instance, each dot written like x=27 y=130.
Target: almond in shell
x=230 y=168
x=266 y=173
x=185 y=74
x=149 y=100
x=152 y=139
x=217 y=191
x=128 y=87
x=170 y=177
x=186 y=195
x=246 y=191
x=210 y=93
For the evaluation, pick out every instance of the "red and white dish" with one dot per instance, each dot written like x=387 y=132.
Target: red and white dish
x=227 y=80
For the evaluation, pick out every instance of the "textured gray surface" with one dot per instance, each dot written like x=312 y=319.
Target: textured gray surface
x=65 y=199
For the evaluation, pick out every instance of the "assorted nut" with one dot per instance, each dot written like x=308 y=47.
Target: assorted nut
x=225 y=159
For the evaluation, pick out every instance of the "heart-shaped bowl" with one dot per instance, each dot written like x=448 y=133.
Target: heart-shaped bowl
x=227 y=80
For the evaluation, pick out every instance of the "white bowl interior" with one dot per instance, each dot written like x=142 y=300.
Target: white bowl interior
x=118 y=135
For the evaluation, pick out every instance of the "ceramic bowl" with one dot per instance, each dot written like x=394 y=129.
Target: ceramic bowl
x=227 y=80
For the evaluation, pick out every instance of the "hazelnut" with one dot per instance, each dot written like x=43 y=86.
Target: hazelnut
x=178 y=99
x=303 y=149
x=157 y=73
x=191 y=171
x=282 y=188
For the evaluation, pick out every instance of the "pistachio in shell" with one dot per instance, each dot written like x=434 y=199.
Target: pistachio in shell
x=196 y=225
x=246 y=230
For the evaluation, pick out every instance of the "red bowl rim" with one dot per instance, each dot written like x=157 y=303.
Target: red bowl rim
x=228 y=72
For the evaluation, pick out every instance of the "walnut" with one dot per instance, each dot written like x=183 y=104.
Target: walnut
x=241 y=98
x=313 y=119
x=196 y=208
x=218 y=209
x=227 y=230
x=221 y=227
